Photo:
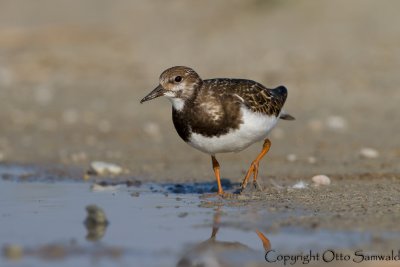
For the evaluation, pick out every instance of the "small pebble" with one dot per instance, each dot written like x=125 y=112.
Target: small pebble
x=321 y=180
x=300 y=185
x=102 y=168
x=369 y=153
x=336 y=123
x=291 y=157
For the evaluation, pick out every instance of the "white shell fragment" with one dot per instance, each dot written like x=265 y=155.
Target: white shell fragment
x=321 y=180
x=101 y=168
x=300 y=185
x=369 y=153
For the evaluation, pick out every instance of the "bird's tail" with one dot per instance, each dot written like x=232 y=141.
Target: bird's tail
x=286 y=116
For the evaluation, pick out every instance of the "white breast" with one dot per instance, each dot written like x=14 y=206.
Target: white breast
x=255 y=127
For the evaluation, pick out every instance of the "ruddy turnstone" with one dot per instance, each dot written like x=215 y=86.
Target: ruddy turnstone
x=221 y=115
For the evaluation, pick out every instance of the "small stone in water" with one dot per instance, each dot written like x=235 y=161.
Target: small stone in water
x=321 y=180
x=369 y=153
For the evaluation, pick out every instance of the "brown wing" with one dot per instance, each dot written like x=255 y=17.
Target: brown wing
x=254 y=95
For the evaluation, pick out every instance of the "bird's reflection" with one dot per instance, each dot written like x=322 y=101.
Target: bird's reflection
x=96 y=223
x=214 y=253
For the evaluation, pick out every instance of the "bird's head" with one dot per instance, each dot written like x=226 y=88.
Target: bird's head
x=177 y=83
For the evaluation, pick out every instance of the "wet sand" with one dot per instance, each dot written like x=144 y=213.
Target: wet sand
x=72 y=75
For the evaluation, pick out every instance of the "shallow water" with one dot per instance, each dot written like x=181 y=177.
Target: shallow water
x=149 y=226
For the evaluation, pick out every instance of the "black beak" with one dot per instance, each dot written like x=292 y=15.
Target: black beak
x=158 y=91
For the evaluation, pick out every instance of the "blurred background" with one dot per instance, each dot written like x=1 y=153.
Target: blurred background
x=72 y=74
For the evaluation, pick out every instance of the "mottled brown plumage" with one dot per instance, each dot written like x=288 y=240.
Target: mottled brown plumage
x=252 y=94
x=221 y=115
x=213 y=108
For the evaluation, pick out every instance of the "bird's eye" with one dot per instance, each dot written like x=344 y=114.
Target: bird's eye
x=178 y=79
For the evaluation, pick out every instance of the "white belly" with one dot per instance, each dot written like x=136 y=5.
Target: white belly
x=255 y=127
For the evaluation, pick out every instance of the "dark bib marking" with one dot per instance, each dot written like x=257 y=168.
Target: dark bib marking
x=194 y=119
x=181 y=124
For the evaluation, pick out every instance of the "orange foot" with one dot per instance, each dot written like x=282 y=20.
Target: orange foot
x=253 y=170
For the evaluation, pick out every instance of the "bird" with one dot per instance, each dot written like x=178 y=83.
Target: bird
x=221 y=115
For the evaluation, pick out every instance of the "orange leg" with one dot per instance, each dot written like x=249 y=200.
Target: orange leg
x=265 y=241
x=216 y=168
x=254 y=165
